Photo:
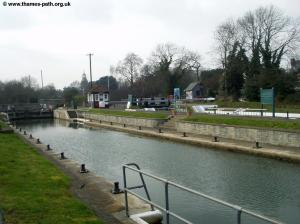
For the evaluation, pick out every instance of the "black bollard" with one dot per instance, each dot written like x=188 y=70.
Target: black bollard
x=38 y=141
x=257 y=145
x=287 y=115
x=20 y=129
x=124 y=125
x=116 y=189
x=100 y=121
x=184 y=134
x=159 y=130
x=25 y=133
x=111 y=123
x=216 y=139
x=140 y=128
x=48 y=148
x=62 y=156
x=83 y=169
x=30 y=136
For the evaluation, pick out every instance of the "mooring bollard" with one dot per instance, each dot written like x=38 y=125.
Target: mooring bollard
x=124 y=125
x=116 y=189
x=20 y=129
x=184 y=134
x=140 y=128
x=111 y=123
x=159 y=130
x=30 y=136
x=83 y=169
x=100 y=121
x=287 y=115
x=48 y=148
x=257 y=145
x=62 y=155
x=25 y=133
x=216 y=139
x=38 y=141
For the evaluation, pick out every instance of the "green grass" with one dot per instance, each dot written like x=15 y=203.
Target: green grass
x=32 y=190
x=295 y=108
x=246 y=121
x=137 y=114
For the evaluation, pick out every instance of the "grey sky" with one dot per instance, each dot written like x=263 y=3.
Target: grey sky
x=57 y=39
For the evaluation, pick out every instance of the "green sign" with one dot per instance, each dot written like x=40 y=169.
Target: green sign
x=267 y=96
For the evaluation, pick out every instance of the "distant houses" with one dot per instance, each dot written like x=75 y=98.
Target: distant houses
x=194 y=91
x=98 y=97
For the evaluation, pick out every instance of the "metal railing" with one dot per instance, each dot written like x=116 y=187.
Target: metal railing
x=166 y=209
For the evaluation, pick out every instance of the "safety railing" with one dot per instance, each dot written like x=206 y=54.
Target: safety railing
x=239 y=210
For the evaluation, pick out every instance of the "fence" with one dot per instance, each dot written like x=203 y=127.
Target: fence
x=239 y=210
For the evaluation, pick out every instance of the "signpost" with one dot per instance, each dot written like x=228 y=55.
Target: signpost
x=267 y=97
x=176 y=96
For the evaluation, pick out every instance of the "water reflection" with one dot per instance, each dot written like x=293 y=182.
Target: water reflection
x=267 y=186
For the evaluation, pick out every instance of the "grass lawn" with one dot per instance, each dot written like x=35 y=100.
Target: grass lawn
x=246 y=121
x=138 y=114
x=279 y=107
x=32 y=190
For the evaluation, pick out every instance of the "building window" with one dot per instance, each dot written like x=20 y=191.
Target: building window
x=96 y=97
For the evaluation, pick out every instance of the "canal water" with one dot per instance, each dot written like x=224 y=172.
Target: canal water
x=266 y=186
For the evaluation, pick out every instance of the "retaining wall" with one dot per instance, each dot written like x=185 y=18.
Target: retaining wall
x=151 y=123
x=61 y=114
x=267 y=136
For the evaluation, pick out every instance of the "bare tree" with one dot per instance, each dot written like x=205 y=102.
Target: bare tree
x=225 y=36
x=194 y=63
x=130 y=67
x=280 y=34
x=268 y=31
x=29 y=82
x=164 y=55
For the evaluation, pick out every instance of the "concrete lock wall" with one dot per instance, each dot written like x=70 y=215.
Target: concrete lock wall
x=267 y=136
x=61 y=114
x=151 y=123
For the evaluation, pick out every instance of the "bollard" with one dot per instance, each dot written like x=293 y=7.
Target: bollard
x=30 y=136
x=216 y=139
x=62 y=156
x=48 y=148
x=20 y=129
x=257 y=145
x=111 y=123
x=159 y=130
x=287 y=115
x=184 y=134
x=116 y=189
x=83 y=169
x=38 y=141
x=140 y=128
x=25 y=133
x=124 y=125
x=100 y=121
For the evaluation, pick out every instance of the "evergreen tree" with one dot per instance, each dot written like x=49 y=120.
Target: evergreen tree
x=236 y=69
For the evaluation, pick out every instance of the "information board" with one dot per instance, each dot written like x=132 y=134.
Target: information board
x=267 y=97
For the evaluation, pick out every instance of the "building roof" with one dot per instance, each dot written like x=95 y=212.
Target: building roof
x=98 y=89
x=191 y=86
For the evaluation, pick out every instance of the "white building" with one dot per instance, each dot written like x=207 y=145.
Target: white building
x=98 y=97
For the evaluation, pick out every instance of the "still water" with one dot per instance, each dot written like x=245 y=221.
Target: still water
x=266 y=186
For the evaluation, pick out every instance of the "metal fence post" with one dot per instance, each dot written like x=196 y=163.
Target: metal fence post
x=167 y=201
x=125 y=192
x=239 y=214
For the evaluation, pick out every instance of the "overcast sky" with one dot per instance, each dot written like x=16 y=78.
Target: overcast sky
x=57 y=39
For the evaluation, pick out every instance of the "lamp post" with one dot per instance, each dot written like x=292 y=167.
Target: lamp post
x=91 y=78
